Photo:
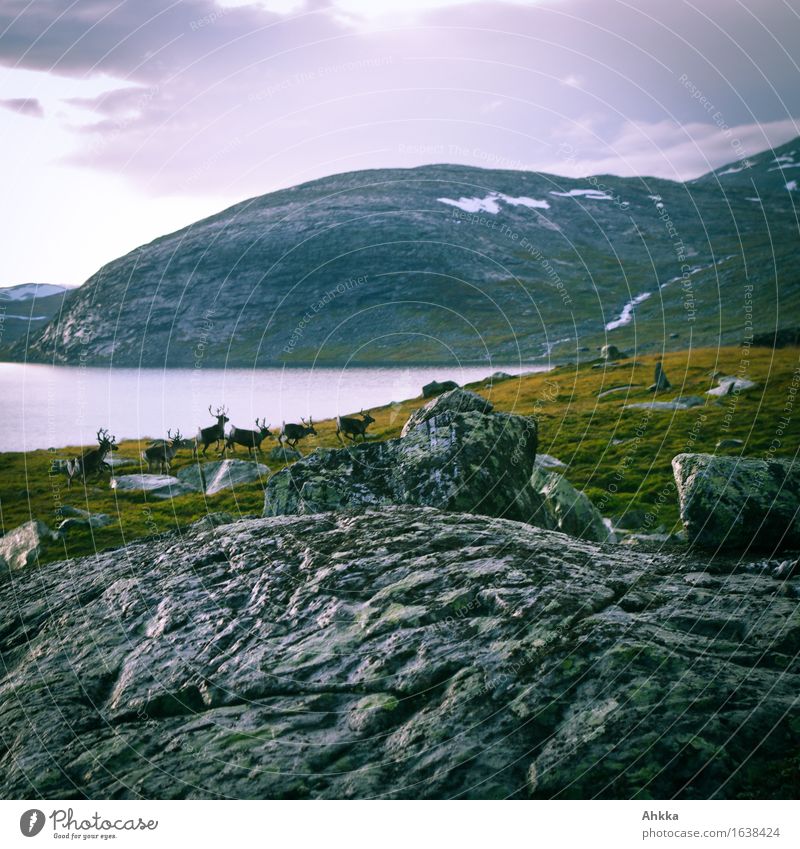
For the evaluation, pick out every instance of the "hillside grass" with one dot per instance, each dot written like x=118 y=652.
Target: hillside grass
x=621 y=458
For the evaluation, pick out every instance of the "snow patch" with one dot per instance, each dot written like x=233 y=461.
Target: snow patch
x=626 y=316
x=589 y=194
x=491 y=203
x=791 y=186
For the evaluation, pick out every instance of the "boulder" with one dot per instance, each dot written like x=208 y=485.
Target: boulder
x=548 y=461
x=159 y=486
x=455 y=401
x=470 y=462
x=738 y=503
x=217 y=475
x=122 y=462
x=405 y=653
x=731 y=385
x=684 y=403
x=730 y=443
x=660 y=382
x=20 y=547
x=283 y=454
x=566 y=509
x=434 y=388
x=615 y=390
x=83 y=522
x=499 y=377
x=611 y=352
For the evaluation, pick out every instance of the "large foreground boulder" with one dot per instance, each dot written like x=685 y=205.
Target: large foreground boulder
x=399 y=653
x=566 y=509
x=471 y=462
x=738 y=503
x=21 y=546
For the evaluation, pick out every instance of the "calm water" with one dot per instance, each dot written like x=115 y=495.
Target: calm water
x=46 y=406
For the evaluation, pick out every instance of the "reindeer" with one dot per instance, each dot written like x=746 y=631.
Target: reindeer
x=92 y=461
x=353 y=428
x=252 y=439
x=161 y=452
x=215 y=433
x=293 y=433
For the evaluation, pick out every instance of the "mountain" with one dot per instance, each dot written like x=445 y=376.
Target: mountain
x=26 y=308
x=446 y=262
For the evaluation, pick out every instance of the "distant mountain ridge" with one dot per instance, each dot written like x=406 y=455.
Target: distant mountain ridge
x=447 y=262
x=26 y=308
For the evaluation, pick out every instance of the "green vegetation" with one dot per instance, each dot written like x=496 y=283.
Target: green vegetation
x=620 y=458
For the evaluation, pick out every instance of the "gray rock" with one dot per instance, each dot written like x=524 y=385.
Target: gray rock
x=547 y=461
x=730 y=443
x=566 y=509
x=89 y=521
x=434 y=388
x=660 y=382
x=469 y=462
x=611 y=352
x=617 y=389
x=400 y=653
x=737 y=503
x=159 y=486
x=121 y=462
x=499 y=377
x=217 y=475
x=684 y=403
x=455 y=401
x=20 y=547
x=731 y=385
x=283 y=454
x=631 y=520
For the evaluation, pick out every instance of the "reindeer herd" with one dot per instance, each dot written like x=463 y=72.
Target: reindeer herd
x=160 y=452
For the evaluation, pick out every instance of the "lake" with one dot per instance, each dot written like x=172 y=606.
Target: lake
x=53 y=406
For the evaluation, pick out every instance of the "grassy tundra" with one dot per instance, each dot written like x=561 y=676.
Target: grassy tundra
x=620 y=458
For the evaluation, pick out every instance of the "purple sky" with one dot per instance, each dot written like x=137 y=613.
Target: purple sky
x=122 y=120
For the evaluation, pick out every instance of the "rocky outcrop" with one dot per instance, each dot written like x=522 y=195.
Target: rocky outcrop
x=566 y=509
x=20 y=547
x=471 y=462
x=434 y=388
x=399 y=653
x=455 y=401
x=738 y=503
x=217 y=475
x=731 y=385
x=283 y=454
x=209 y=478
x=157 y=486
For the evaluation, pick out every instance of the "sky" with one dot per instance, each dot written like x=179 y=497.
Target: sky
x=122 y=120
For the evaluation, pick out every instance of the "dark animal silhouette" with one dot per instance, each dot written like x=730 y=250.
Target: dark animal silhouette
x=352 y=428
x=293 y=433
x=92 y=461
x=214 y=433
x=251 y=439
x=160 y=453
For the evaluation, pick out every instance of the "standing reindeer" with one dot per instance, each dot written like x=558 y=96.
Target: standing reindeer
x=251 y=439
x=161 y=452
x=353 y=428
x=214 y=433
x=92 y=461
x=293 y=433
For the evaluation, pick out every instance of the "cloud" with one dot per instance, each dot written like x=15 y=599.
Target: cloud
x=24 y=106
